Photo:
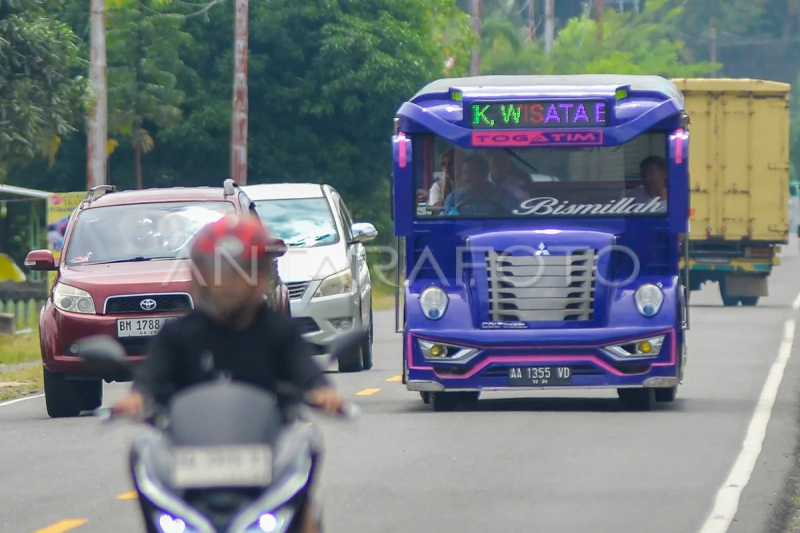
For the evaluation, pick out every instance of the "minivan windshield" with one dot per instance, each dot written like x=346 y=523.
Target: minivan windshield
x=140 y=232
x=300 y=222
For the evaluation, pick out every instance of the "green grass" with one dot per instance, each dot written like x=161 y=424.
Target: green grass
x=26 y=381
x=16 y=350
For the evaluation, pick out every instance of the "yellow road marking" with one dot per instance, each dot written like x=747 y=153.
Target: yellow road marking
x=63 y=526
x=367 y=392
x=395 y=378
x=128 y=496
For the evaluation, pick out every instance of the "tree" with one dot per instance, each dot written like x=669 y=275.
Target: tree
x=633 y=44
x=144 y=51
x=794 y=136
x=41 y=97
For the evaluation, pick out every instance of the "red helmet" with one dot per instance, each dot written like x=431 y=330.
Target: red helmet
x=240 y=238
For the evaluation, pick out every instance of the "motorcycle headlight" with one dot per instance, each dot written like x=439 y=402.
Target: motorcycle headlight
x=433 y=301
x=274 y=522
x=339 y=283
x=73 y=299
x=649 y=299
x=170 y=524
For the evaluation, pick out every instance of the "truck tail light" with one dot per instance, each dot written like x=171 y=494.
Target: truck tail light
x=764 y=251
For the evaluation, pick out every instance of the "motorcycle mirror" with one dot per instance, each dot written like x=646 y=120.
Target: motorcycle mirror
x=101 y=349
x=347 y=348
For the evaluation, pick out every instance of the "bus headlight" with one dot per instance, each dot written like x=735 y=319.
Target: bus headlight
x=650 y=347
x=649 y=299
x=433 y=301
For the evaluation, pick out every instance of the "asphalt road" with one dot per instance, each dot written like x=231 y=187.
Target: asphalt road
x=557 y=462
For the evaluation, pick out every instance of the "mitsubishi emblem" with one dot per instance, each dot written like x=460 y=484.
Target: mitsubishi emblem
x=542 y=250
x=148 y=305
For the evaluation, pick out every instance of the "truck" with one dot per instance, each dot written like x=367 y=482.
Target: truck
x=738 y=182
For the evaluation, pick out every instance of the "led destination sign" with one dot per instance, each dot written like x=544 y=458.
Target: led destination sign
x=539 y=114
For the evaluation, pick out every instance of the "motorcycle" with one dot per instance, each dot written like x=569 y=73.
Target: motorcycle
x=224 y=456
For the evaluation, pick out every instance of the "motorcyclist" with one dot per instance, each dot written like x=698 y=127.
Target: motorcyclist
x=231 y=333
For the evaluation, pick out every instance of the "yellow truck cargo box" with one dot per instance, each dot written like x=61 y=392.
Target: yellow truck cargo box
x=738 y=158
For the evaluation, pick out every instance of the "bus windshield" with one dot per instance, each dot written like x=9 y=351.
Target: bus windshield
x=629 y=180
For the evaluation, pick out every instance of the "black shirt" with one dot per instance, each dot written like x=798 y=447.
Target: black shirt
x=194 y=348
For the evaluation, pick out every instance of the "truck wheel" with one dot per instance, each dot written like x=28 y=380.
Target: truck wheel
x=91 y=394
x=61 y=396
x=426 y=397
x=749 y=301
x=727 y=301
x=637 y=399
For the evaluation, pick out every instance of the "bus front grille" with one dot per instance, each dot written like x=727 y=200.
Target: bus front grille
x=539 y=288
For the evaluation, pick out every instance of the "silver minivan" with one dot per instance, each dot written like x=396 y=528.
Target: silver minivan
x=325 y=268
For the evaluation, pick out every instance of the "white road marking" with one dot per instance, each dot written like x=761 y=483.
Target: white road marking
x=796 y=303
x=11 y=402
x=728 y=496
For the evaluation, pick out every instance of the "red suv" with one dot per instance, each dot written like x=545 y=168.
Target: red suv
x=124 y=271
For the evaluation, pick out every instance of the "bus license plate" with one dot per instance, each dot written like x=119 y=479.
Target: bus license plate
x=539 y=376
x=141 y=327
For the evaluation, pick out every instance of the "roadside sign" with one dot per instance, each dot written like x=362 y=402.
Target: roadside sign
x=60 y=206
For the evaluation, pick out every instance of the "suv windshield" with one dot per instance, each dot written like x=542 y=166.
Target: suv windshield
x=629 y=180
x=300 y=222
x=140 y=232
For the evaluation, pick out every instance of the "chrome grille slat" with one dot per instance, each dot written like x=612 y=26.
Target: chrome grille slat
x=542 y=288
x=131 y=303
x=297 y=289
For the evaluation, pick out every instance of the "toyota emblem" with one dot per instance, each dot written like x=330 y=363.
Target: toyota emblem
x=148 y=304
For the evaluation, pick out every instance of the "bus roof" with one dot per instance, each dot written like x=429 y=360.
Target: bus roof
x=578 y=83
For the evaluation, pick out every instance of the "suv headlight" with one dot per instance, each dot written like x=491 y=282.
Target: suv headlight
x=433 y=301
x=339 y=283
x=649 y=299
x=72 y=299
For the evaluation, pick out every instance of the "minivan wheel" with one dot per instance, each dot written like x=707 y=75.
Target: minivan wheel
x=61 y=396
x=366 y=348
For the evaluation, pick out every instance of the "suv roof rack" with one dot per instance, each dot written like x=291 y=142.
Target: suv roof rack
x=91 y=194
x=230 y=187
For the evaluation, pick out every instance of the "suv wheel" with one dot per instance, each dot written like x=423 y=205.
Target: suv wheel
x=91 y=394
x=62 y=397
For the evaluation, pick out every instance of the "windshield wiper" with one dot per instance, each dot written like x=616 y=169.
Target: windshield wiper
x=139 y=259
x=304 y=241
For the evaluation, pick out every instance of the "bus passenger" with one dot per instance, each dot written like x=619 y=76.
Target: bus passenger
x=477 y=196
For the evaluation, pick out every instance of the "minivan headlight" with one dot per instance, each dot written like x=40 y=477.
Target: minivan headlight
x=649 y=298
x=339 y=283
x=73 y=299
x=433 y=301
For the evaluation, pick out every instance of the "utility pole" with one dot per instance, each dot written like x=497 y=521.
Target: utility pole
x=475 y=59
x=240 y=103
x=714 y=49
x=598 y=17
x=531 y=21
x=97 y=141
x=549 y=25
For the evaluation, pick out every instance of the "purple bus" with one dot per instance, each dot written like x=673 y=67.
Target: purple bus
x=541 y=222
